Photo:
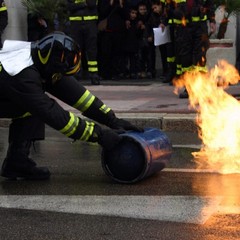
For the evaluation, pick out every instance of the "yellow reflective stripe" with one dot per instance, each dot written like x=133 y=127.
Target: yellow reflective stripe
x=84 y=101
x=187 y=69
x=180 y=1
x=104 y=108
x=179 y=72
x=70 y=128
x=93 y=69
x=79 y=1
x=182 y=21
x=179 y=69
x=3 y=9
x=27 y=114
x=44 y=59
x=85 y=18
x=92 y=63
x=75 y=18
x=194 y=19
x=201 y=69
x=90 y=18
x=75 y=70
x=198 y=19
x=87 y=131
x=170 y=21
x=92 y=66
x=171 y=59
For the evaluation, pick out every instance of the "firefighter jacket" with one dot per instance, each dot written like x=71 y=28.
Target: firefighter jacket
x=25 y=93
x=3 y=16
x=181 y=12
x=83 y=10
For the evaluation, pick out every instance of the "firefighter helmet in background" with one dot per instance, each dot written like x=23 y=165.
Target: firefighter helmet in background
x=55 y=55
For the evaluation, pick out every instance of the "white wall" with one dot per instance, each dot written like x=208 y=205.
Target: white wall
x=219 y=53
x=17 y=21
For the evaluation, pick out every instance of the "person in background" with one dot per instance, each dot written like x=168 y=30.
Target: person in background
x=37 y=27
x=83 y=17
x=145 y=59
x=171 y=58
x=191 y=34
x=111 y=55
x=30 y=70
x=157 y=20
x=131 y=43
x=3 y=19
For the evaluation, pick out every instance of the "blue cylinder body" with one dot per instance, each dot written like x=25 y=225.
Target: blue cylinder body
x=137 y=156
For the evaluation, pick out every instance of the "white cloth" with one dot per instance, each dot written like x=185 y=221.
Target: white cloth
x=15 y=56
x=160 y=36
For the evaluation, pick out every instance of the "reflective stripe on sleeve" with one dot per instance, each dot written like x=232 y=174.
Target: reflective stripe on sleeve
x=84 y=101
x=84 y=18
x=70 y=128
x=88 y=131
x=104 y=109
x=3 y=9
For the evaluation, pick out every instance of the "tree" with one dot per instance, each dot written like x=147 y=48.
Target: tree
x=51 y=10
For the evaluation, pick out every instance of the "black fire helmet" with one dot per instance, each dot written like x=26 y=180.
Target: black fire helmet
x=55 y=55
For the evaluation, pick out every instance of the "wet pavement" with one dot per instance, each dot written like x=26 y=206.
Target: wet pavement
x=81 y=202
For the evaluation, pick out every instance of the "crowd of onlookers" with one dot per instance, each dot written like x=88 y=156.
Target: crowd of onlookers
x=125 y=44
x=131 y=54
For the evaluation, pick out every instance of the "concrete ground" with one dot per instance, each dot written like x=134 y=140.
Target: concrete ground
x=148 y=103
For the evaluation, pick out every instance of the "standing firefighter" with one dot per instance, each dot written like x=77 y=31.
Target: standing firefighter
x=83 y=28
x=191 y=33
x=29 y=70
x=3 y=19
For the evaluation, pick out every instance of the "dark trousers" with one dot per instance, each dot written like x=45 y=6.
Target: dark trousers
x=191 y=44
x=131 y=59
x=111 y=55
x=145 y=59
x=85 y=34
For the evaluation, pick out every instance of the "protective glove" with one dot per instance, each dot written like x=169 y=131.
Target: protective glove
x=118 y=123
x=108 y=139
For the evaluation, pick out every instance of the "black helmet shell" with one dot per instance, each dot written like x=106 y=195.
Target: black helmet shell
x=56 y=54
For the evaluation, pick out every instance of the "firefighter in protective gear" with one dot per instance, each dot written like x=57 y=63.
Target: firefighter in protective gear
x=29 y=70
x=171 y=58
x=83 y=17
x=3 y=19
x=191 y=33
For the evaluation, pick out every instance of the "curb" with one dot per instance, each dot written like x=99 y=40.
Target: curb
x=180 y=128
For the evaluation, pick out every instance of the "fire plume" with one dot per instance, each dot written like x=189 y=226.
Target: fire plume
x=218 y=116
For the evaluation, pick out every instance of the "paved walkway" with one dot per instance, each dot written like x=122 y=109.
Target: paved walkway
x=144 y=96
x=146 y=103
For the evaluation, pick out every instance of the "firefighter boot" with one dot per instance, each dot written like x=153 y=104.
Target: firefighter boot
x=17 y=164
x=95 y=79
x=171 y=73
x=183 y=94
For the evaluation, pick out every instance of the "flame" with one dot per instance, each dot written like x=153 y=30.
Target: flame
x=218 y=116
x=184 y=21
